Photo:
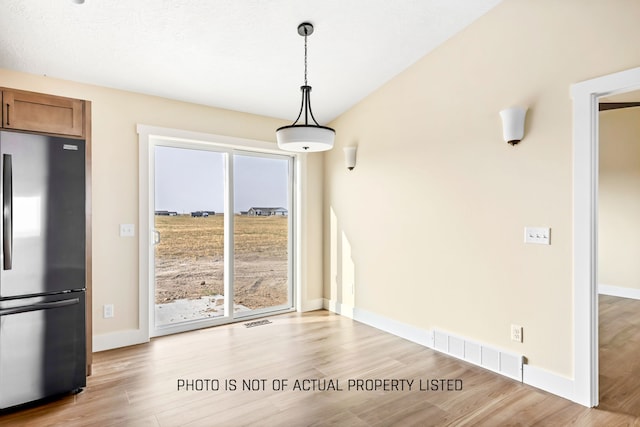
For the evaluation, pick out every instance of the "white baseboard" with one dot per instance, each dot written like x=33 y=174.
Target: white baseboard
x=338 y=308
x=548 y=381
x=399 y=329
x=617 y=291
x=314 y=304
x=535 y=377
x=119 y=339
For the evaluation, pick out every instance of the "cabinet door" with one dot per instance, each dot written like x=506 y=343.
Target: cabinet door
x=42 y=113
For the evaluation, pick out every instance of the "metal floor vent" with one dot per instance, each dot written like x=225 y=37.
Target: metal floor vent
x=257 y=323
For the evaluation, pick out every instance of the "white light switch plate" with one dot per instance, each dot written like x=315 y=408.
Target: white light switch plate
x=537 y=235
x=127 y=230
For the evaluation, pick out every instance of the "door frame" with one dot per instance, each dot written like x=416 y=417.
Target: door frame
x=146 y=136
x=586 y=96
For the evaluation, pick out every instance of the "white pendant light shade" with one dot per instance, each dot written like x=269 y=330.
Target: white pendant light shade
x=305 y=139
x=513 y=124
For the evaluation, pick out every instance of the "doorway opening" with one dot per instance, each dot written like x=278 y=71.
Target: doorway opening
x=618 y=252
x=586 y=98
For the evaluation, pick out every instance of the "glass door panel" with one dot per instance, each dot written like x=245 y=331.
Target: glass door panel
x=189 y=235
x=262 y=250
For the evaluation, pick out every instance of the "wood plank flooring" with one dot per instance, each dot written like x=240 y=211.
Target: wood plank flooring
x=619 y=355
x=138 y=386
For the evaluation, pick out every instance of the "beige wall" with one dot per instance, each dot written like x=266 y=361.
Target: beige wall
x=429 y=225
x=619 y=199
x=115 y=182
x=433 y=214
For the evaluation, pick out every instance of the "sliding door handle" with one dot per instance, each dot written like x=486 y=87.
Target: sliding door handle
x=156 y=237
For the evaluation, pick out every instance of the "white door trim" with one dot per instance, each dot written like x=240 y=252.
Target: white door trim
x=146 y=136
x=585 y=221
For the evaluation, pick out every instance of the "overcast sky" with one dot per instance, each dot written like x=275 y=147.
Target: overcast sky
x=193 y=180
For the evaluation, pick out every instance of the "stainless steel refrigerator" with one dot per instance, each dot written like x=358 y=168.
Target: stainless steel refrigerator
x=42 y=267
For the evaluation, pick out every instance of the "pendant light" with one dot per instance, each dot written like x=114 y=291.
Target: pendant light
x=305 y=137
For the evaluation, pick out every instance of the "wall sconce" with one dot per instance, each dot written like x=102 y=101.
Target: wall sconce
x=350 y=157
x=513 y=124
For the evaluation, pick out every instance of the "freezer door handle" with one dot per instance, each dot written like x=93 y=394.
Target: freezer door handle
x=7 y=211
x=39 y=306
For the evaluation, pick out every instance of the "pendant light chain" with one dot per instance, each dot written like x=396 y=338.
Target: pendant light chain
x=305 y=57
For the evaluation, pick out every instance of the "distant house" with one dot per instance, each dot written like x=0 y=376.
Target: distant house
x=267 y=212
x=166 y=213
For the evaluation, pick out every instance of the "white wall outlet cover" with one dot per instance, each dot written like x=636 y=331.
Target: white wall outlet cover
x=516 y=333
x=107 y=311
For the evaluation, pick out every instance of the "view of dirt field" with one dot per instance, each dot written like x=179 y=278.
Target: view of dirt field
x=189 y=260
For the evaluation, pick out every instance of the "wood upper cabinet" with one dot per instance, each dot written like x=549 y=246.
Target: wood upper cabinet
x=38 y=112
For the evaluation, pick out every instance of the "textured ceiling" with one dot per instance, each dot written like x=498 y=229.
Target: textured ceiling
x=243 y=55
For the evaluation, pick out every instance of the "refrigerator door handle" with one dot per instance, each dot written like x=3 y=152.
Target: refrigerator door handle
x=39 y=306
x=7 y=211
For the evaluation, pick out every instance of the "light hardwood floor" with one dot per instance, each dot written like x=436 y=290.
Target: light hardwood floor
x=619 y=355
x=138 y=386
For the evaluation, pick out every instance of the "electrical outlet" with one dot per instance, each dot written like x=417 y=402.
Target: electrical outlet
x=516 y=333
x=107 y=311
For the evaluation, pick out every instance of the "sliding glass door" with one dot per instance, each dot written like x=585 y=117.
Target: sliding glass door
x=189 y=235
x=262 y=238
x=222 y=240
